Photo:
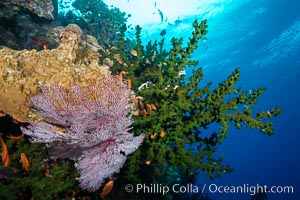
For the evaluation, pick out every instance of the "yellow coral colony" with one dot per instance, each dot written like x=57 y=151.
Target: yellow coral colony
x=24 y=72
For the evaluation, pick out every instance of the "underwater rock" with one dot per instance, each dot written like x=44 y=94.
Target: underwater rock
x=40 y=8
x=52 y=37
x=24 y=72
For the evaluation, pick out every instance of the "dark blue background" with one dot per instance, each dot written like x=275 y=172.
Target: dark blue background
x=262 y=38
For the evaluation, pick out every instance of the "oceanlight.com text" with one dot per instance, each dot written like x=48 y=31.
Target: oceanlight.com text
x=250 y=189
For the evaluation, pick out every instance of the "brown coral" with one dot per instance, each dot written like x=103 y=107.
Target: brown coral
x=24 y=72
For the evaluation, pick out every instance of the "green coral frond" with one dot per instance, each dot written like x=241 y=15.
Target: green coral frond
x=184 y=110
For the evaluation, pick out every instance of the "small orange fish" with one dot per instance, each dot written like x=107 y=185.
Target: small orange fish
x=107 y=188
x=129 y=83
x=133 y=52
x=162 y=134
x=153 y=107
x=152 y=136
x=135 y=102
x=118 y=57
x=19 y=137
x=5 y=157
x=121 y=74
x=47 y=173
x=149 y=106
x=148 y=162
x=145 y=112
x=25 y=162
x=17 y=120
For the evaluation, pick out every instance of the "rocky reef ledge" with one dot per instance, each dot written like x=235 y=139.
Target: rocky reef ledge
x=23 y=72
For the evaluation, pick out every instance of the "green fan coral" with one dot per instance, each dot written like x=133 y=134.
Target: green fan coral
x=177 y=126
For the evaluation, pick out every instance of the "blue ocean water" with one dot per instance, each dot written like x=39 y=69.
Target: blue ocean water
x=262 y=38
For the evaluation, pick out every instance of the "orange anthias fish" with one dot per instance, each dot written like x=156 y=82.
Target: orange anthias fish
x=25 y=162
x=19 y=137
x=129 y=83
x=162 y=134
x=148 y=162
x=133 y=52
x=151 y=106
x=107 y=188
x=121 y=74
x=5 y=157
x=135 y=102
x=118 y=57
x=145 y=112
x=152 y=136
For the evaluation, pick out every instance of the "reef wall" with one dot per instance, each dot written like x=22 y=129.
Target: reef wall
x=24 y=72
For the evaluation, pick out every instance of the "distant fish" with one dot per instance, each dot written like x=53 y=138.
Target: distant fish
x=163 y=32
x=134 y=52
x=162 y=134
x=107 y=188
x=25 y=162
x=250 y=92
x=155 y=4
x=178 y=21
x=161 y=15
x=118 y=57
x=19 y=137
x=5 y=157
x=129 y=85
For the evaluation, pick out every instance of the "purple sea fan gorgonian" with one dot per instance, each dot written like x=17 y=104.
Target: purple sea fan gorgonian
x=89 y=125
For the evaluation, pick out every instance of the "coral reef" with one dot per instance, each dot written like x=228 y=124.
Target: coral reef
x=89 y=125
x=24 y=31
x=40 y=8
x=97 y=19
x=43 y=173
x=175 y=113
x=24 y=72
x=26 y=24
